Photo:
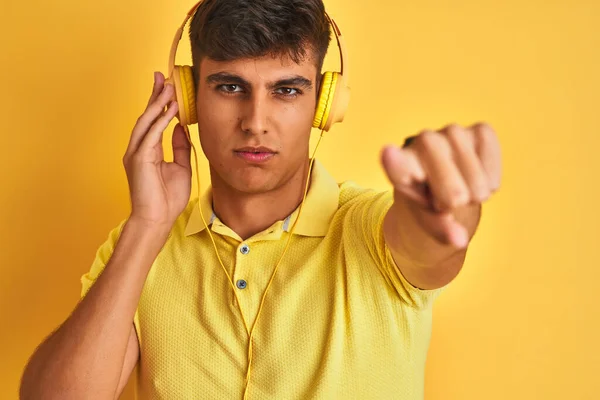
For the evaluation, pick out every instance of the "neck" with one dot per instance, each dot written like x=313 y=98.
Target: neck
x=250 y=213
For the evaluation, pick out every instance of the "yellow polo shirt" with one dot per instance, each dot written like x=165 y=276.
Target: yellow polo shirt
x=339 y=321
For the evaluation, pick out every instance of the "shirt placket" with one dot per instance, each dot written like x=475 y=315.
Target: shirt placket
x=243 y=286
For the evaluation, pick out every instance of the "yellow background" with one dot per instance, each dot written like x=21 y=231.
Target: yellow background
x=521 y=320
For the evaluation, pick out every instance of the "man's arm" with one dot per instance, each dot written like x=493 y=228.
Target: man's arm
x=94 y=351
x=92 y=354
x=440 y=180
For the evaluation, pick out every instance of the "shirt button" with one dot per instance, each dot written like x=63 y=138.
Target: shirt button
x=245 y=249
x=241 y=284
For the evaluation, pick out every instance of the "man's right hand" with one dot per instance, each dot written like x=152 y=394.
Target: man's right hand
x=159 y=190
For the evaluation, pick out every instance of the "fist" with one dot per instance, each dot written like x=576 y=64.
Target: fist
x=442 y=171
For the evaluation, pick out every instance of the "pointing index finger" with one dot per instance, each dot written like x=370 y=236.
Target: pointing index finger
x=405 y=173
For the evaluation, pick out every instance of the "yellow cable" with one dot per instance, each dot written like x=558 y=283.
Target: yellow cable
x=251 y=331
x=312 y=159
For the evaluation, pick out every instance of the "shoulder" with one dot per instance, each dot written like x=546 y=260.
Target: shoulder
x=354 y=196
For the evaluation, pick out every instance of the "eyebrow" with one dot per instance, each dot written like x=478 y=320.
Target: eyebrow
x=225 y=77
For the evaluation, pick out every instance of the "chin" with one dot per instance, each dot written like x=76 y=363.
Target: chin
x=253 y=180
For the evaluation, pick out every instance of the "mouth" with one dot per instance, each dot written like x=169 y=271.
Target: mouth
x=255 y=154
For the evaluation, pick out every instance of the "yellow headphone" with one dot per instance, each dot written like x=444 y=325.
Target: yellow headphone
x=334 y=93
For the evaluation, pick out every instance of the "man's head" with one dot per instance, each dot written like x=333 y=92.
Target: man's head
x=257 y=67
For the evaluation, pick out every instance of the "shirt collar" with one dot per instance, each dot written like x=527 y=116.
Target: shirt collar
x=320 y=205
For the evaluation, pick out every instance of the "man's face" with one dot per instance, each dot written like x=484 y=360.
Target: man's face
x=255 y=117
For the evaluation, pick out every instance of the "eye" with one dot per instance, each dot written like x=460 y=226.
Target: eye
x=230 y=88
x=288 y=92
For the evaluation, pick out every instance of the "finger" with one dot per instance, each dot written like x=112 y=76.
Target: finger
x=181 y=147
x=159 y=83
x=452 y=232
x=154 y=135
x=162 y=82
x=443 y=227
x=468 y=163
x=445 y=180
x=487 y=147
x=405 y=173
x=148 y=118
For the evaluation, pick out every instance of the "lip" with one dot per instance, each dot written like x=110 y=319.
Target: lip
x=259 y=154
x=259 y=149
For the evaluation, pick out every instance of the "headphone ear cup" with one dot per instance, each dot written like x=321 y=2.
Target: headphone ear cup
x=340 y=99
x=185 y=92
x=326 y=92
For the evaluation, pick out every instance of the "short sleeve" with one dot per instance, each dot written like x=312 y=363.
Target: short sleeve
x=366 y=216
x=101 y=258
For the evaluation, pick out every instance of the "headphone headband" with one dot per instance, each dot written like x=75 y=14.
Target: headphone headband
x=178 y=36
x=341 y=46
x=335 y=28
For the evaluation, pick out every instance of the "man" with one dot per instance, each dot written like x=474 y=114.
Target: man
x=346 y=314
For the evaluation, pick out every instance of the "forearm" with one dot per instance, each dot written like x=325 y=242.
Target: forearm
x=409 y=232
x=84 y=357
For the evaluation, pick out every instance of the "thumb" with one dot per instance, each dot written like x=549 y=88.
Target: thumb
x=181 y=147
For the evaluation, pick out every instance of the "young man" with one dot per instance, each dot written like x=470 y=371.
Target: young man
x=345 y=314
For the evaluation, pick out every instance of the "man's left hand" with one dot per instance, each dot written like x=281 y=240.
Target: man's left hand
x=440 y=172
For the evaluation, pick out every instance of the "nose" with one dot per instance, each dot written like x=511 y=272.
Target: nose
x=255 y=117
